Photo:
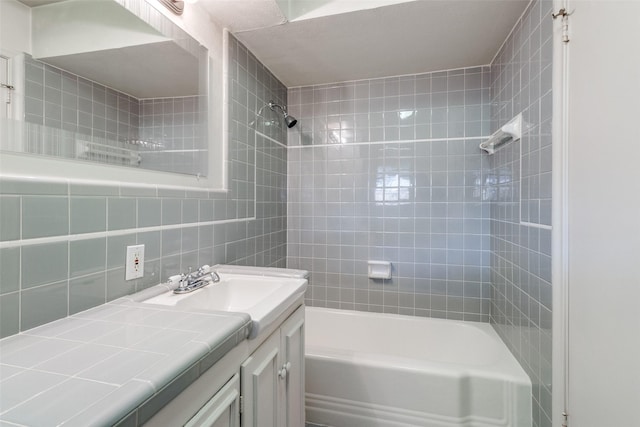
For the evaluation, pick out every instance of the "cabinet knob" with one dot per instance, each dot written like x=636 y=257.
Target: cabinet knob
x=285 y=369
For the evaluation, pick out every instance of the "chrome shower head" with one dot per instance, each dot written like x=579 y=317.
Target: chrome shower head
x=289 y=120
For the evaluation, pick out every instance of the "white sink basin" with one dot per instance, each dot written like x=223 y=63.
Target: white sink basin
x=261 y=297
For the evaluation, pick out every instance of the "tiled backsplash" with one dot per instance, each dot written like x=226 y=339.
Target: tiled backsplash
x=521 y=207
x=62 y=245
x=390 y=169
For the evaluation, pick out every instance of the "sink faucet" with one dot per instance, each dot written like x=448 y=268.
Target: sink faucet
x=191 y=281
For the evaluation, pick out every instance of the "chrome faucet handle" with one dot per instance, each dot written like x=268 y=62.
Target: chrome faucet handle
x=195 y=280
x=184 y=282
x=190 y=276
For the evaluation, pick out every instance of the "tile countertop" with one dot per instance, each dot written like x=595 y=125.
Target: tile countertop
x=119 y=362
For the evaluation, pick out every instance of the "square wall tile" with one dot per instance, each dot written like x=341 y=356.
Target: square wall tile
x=47 y=263
x=149 y=212
x=86 y=292
x=88 y=214
x=44 y=216
x=121 y=213
x=43 y=304
x=87 y=256
x=171 y=211
x=117 y=286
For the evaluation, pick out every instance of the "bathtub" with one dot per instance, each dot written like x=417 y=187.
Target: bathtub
x=383 y=370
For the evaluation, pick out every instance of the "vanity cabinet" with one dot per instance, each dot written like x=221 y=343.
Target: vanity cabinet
x=260 y=383
x=272 y=378
x=213 y=400
x=223 y=410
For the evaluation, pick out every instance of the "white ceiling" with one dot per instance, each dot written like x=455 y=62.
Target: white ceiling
x=407 y=38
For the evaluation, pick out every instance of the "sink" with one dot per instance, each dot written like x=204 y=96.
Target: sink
x=263 y=298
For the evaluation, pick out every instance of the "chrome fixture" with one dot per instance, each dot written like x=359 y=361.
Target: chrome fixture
x=512 y=131
x=290 y=121
x=199 y=279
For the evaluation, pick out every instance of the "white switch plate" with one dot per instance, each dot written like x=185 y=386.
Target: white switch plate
x=134 y=267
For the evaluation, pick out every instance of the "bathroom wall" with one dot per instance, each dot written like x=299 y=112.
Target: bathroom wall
x=62 y=244
x=520 y=187
x=390 y=169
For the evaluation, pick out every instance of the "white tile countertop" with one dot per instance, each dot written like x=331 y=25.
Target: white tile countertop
x=120 y=361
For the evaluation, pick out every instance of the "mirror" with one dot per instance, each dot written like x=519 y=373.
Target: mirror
x=97 y=86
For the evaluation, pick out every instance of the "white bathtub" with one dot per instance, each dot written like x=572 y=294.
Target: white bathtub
x=384 y=370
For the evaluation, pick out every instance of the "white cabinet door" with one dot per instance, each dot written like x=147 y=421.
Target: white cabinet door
x=223 y=410
x=292 y=391
x=272 y=378
x=260 y=382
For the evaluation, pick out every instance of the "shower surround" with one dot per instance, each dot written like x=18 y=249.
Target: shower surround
x=521 y=306
x=390 y=169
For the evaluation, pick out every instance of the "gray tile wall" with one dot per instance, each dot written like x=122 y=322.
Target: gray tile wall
x=521 y=202
x=174 y=124
x=252 y=87
x=390 y=169
x=87 y=110
x=62 y=246
x=62 y=100
x=446 y=104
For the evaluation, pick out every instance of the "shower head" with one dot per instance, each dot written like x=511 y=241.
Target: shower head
x=289 y=120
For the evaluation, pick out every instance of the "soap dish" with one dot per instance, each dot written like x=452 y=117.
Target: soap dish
x=379 y=269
